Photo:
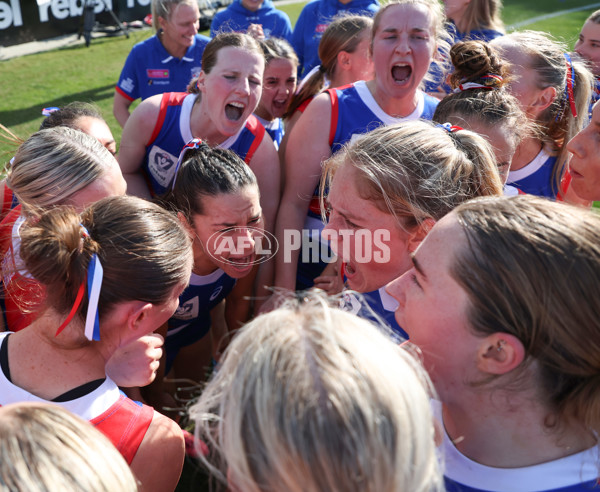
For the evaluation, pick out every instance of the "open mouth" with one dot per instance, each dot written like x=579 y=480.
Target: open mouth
x=401 y=72
x=243 y=261
x=234 y=111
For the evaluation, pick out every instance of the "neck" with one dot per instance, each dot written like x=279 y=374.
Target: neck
x=201 y=125
x=172 y=48
x=397 y=108
x=264 y=114
x=508 y=431
x=47 y=365
x=527 y=150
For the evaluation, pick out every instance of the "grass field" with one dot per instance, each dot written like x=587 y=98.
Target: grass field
x=78 y=73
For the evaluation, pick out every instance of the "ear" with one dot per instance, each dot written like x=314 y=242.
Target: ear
x=186 y=225
x=137 y=314
x=343 y=60
x=500 y=353
x=419 y=233
x=162 y=22
x=201 y=80
x=544 y=99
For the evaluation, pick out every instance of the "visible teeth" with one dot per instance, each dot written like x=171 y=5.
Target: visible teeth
x=237 y=105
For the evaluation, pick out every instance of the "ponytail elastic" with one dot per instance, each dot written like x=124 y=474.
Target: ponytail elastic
x=487 y=82
x=194 y=143
x=570 y=85
x=449 y=127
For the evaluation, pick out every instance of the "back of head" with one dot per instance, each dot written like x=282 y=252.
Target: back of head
x=144 y=252
x=311 y=398
x=479 y=80
x=165 y=8
x=417 y=171
x=55 y=163
x=482 y=14
x=531 y=269
x=69 y=114
x=45 y=448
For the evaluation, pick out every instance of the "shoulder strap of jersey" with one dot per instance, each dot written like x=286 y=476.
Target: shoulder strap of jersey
x=258 y=130
x=334 y=114
x=168 y=99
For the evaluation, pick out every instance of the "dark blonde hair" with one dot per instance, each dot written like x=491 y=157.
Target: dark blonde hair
x=311 y=398
x=546 y=58
x=144 y=251
x=482 y=14
x=472 y=61
x=55 y=163
x=416 y=171
x=343 y=34
x=46 y=448
x=531 y=269
x=165 y=8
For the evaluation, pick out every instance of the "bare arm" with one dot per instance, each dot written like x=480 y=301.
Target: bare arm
x=136 y=134
x=159 y=459
x=307 y=147
x=121 y=108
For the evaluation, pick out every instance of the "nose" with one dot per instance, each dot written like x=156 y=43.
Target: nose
x=403 y=45
x=245 y=238
x=244 y=86
x=574 y=146
x=396 y=289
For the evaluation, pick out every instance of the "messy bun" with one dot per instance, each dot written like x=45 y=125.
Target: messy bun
x=473 y=60
x=144 y=252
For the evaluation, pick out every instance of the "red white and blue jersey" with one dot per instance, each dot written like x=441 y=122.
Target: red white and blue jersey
x=19 y=289
x=274 y=128
x=377 y=306
x=354 y=112
x=536 y=178
x=191 y=321
x=122 y=420
x=172 y=131
x=150 y=69
x=9 y=202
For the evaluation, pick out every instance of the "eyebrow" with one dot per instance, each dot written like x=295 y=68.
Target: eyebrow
x=418 y=266
x=413 y=29
x=234 y=224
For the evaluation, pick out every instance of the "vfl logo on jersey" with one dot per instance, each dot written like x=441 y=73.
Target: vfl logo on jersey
x=217 y=291
x=350 y=303
x=157 y=73
x=160 y=165
x=188 y=310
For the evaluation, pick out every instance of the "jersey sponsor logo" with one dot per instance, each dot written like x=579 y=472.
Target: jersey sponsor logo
x=188 y=310
x=157 y=73
x=217 y=291
x=127 y=85
x=161 y=165
x=320 y=28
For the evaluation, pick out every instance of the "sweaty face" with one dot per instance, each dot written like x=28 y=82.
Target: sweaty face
x=181 y=26
x=588 y=45
x=225 y=236
x=403 y=47
x=231 y=91
x=585 y=159
x=433 y=307
x=99 y=130
x=373 y=246
x=279 y=84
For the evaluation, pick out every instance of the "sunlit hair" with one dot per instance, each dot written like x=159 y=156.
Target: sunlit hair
x=55 y=163
x=530 y=269
x=438 y=19
x=547 y=61
x=310 y=398
x=277 y=48
x=594 y=17
x=144 y=251
x=220 y=41
x=45 y=448
x=343 y=34
x=206 y=172
x=492 y=106
x=417 y=171
x=482 y=14
x=166 y=8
